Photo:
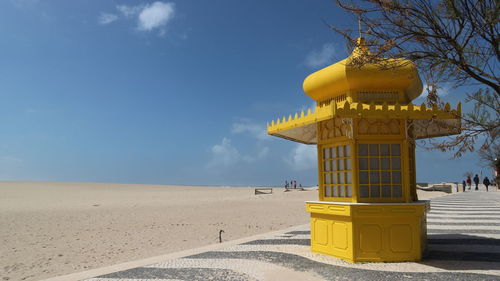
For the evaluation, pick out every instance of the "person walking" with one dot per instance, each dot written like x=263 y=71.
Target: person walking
x=469 y=182
x=486 y=183
x=463 y=186
x=476 y=181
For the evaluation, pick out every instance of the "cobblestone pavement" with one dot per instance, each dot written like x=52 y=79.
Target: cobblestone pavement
x=463 y=244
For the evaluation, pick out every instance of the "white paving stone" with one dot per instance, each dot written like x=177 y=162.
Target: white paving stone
x=432 y=234
x=455 y=216
x=128 y=279
x=465 y=226
x=442 y=220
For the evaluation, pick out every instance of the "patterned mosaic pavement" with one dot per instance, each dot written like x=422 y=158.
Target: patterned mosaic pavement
x=463 y=238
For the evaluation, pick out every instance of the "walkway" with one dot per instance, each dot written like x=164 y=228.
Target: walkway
x=463 y=237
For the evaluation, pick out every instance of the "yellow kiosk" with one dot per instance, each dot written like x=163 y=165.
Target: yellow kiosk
x=364 y=126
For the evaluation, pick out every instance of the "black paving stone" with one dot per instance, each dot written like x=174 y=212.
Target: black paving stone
x=333 y=272
x=462 y=256
x=188 y=274
x=464 y=241
x=305 y=232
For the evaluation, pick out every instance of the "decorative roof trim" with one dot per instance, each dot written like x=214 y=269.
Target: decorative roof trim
x=345 y=109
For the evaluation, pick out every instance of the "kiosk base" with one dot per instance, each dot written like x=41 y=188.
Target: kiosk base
x=369 y=232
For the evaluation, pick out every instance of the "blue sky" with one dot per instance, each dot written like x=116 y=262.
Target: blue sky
x=167 y=92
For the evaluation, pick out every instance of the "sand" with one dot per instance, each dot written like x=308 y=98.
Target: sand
x=52 y=229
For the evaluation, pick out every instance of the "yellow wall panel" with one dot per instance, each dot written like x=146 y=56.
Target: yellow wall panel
x=340 y=237
x=370 y=232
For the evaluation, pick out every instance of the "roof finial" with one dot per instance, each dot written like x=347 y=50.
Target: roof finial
x=359 y=27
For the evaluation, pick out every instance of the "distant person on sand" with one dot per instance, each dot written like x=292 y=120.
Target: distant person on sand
x=476 y=181
x=486 y=183
x=469 y=182
x=463 y=186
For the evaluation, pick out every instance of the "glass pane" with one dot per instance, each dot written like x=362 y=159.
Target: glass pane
x=335 y=191
x=348 y=177
x=386 y=191
x=363 y=149
x=327 y=166
x=396 y=177
x=384 y=163
x=373 y=163
x=334 y=178
x=341 y=178
x=396 y=163
x=340 y=163
x=347 y=150
x=373 y=149
x=363 y=163
x=348 y=164
x=334 y=152
x=395 y=149
x=334 y=165
x=328 y=191
x=385 y=177
x=348 y=191
x=328 y=178
x=341 y=151
x=326 y=153
x=374 y=177
x=342 y=191
x=375 y=191
x=384 y=150
x=363 y=191
x=363 y=177
x=396 y=191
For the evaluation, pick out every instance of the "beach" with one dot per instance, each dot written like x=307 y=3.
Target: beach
x=49 y=229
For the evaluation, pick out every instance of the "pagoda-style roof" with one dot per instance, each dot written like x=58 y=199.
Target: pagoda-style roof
x=395 y=78
x=354 y=88
x=428 y=122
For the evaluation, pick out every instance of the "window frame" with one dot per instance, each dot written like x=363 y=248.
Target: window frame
x=379 y=170
x=338 y=185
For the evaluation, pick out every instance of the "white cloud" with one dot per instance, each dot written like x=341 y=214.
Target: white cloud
x=303 y=157
x=442 y=91
x=24 y=3
x=129 y=11
x=263 y=152
x=256 y=130
x=149 y=17
x=9 y=160
x=105 y=18
x=156 y=15
x=224 y=154
x=321 y=57
x=260 y=154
